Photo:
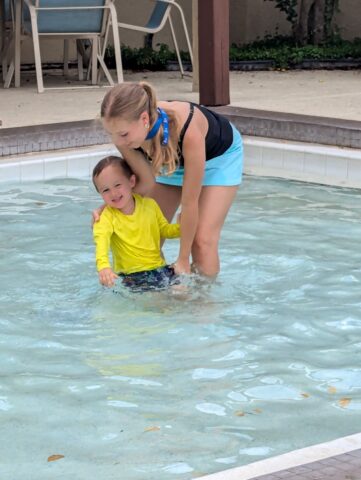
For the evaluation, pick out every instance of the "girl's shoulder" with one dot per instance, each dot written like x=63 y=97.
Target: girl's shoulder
x=187 y=111
x=181 y=108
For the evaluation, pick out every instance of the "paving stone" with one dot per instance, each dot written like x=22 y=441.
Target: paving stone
x=284 y=474
x=355 y=453
x=302 y=469
x=345 y=466
x=340 y=467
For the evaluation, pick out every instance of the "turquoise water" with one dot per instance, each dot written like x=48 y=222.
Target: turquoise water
x=174 y=386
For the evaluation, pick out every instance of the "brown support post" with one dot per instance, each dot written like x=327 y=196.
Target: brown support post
x=213 y=17
x=195 y=76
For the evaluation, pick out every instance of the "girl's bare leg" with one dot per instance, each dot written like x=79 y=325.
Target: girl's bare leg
x=214 y=204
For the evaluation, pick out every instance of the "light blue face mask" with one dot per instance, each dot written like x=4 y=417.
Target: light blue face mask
x=161 y=120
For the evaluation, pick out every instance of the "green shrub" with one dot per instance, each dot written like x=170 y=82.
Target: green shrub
x=286 y=54
x=280 y=49
x=144 y=58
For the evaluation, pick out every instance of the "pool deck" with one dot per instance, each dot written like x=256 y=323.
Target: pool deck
x=346 y=466
x=319 y=107
x=338 y=459
x=331 y=94
x=329 y=103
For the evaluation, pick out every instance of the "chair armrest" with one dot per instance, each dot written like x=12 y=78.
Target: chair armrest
x=165 y=1
x=31 y=4
x=172 y=2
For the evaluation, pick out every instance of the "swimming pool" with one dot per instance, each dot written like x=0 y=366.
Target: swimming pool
x=167 y=386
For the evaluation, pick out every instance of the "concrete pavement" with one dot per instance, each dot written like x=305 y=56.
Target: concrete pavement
x=334 y=94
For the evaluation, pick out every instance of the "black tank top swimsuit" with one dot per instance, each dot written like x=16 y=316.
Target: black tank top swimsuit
x=219 y=135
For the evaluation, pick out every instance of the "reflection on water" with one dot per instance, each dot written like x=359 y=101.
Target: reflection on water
x=180 y=382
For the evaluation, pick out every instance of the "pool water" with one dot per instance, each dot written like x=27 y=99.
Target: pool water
x=175 y=385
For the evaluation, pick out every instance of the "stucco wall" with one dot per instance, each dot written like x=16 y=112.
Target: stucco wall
x=349 y=19
x=249 y=20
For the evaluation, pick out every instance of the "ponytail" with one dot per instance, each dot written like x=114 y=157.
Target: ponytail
x=152 y=101
x=129 y=100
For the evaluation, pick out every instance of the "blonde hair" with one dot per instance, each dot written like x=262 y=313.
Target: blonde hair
x=128 y=101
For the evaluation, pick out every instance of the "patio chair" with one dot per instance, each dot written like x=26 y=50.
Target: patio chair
x=160 y=14
x=74 y=19
x=6 y=29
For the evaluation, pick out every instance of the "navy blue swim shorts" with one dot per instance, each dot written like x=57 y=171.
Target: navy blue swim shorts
x=157 y=279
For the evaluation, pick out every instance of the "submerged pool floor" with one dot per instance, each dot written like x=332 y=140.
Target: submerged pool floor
x=166 y=385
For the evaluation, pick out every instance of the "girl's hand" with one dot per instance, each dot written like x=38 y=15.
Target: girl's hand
x=107 y=277
x=182 y=266
x=96 y=214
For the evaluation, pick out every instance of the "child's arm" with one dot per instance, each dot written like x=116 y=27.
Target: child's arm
x=102 y=231
x=167 y=230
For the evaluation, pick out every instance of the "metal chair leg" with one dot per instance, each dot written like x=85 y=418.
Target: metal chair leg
x=66 y=58
x=94 y=60
x=79 y=52
x=38 y=67
x=176 y=46
x=117 y=52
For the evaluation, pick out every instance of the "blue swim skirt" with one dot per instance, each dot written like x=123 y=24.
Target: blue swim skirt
x=225 y=170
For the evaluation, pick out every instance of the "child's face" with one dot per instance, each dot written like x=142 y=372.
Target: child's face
x=116 y=188
x=127 y=134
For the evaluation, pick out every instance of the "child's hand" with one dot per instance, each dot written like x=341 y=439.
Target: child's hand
x=96 y=214
x=107 y=277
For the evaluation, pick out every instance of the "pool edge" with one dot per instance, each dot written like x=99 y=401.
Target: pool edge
x=295 y=458
x=306 y=162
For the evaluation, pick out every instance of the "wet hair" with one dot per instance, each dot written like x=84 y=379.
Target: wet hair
x=128 y=101
x=111 y=160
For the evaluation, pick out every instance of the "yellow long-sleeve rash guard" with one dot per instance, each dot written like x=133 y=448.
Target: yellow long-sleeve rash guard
x=133 y=239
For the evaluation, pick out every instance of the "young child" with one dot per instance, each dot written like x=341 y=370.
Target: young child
x=131 y=226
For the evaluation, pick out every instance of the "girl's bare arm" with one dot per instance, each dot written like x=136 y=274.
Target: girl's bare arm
x=194 y=162
x=141 y=167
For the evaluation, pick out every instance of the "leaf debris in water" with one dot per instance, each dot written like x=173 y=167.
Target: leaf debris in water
x=239 y=413
x=53 y=458
x=332 y=389
x=344 y=402
x=152 y=429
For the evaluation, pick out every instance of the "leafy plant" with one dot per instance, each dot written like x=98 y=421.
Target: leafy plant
x=144 y=58
x=283 y=51
x=286 y=54
x=289 y=7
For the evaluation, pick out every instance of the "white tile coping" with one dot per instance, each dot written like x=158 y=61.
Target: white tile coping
x=265 y=157
x=73 y=163
x=290 y=460
x=307 y=162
